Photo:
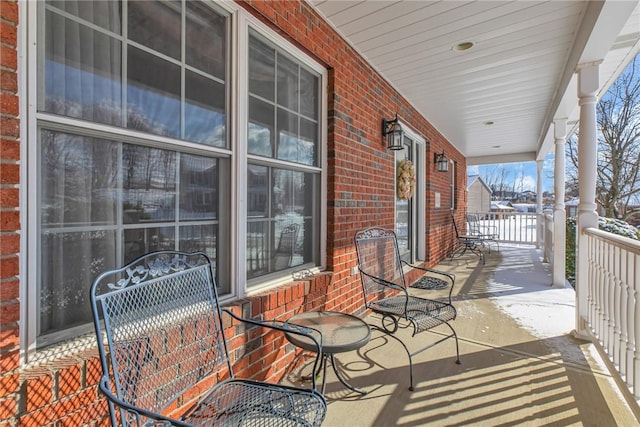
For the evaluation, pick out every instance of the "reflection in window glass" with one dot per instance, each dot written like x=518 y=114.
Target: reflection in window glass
x=84 y=71
x=153 y=94
x=147 y=19
x=79 y=180
x=262 y=70
x=297 y=99
x=284 y=235
x=206 y=39
x=204 y=110
x=308 y=94
x=77 y=82
x=198 y=187
x=139 y=241
x=149 y=185
x=104 y=203
x=288 y=83
x=261 y=123
x=257 y=185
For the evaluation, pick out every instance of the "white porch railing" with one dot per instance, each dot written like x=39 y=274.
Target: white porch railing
x=613 y=300
x=512 y=227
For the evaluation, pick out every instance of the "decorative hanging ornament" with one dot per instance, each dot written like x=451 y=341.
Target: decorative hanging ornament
x=406 y=179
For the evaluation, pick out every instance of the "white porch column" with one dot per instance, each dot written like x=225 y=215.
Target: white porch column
x=540 y=219
x=587 y=169
x=559 y=214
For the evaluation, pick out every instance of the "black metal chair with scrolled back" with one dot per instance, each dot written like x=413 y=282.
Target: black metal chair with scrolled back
x=165 y=344
x=487 y=234
x=467 y=242
x=386 y=293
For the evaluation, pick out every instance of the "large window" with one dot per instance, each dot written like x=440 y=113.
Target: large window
x=133 y=151
x=283 y=180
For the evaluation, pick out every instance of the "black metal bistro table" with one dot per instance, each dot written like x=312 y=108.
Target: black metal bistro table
x=340 y=332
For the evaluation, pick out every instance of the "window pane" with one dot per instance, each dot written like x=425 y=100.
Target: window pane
x=258 y=249
x=149 y=185
x=139 y=241
x=82 y=72
x=153 y=94
x=149 y=19
x=289 y=194
x=308 y=94
x=198 y=187
x=308 y=142
x=205 y=119
x=68 y=264
x=287 y=135
x=257 y=181
x=78 y=180
x=287 y=83
x=262 y=66
x=199 y=238
x=296 y=146
x=106 y=14
x=206 y=40
x=260 y=128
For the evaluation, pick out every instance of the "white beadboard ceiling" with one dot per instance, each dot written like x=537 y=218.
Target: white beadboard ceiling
x=520 y=73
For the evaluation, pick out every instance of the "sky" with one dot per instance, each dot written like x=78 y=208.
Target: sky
x=523 y=175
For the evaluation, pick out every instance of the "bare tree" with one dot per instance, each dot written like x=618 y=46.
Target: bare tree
x=618 y=177
x=497 y=179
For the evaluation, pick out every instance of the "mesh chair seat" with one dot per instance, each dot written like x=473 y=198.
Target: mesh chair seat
x=241 y=402
x=423 y=313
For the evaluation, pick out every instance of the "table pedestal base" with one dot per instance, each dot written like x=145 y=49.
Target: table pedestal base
x=338 y=374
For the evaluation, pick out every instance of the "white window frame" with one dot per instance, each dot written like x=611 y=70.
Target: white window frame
x=241 y=22
x=247 y=22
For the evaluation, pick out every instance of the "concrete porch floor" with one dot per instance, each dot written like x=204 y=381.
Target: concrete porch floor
x=520 y=365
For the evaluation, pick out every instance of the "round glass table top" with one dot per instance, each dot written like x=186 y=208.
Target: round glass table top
x=340 y=331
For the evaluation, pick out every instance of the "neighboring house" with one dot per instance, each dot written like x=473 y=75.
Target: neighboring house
x=501 y=206
x=478 y=194
x=524 y=207
x=134 y=126
x=571 y=207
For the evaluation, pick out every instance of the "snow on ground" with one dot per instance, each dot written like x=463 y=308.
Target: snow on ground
x=521 y=287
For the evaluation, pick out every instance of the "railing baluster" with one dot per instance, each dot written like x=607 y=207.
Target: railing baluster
x=613 y=295
x=622 y=312
x=636 y=327
x=615 y=304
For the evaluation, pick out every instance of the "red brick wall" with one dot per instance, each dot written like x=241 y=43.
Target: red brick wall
x=361 y=192
x=9 y=213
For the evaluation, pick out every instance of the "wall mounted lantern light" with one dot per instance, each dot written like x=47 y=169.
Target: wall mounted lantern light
x=441 y=161
x=393 y=131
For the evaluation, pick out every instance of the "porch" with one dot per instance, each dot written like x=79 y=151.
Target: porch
x=520 y=363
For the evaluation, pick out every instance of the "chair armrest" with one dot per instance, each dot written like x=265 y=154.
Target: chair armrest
x=288 y=328
x=449 y=276
x=105 y=388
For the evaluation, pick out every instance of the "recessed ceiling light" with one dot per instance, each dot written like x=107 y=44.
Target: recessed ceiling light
x=461 y=47
x=489 y=123
x=496 y=146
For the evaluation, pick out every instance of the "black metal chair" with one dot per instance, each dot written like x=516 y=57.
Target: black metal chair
x=486 y=233
x=386 y=293
x=466 y=242
x=165 y=346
